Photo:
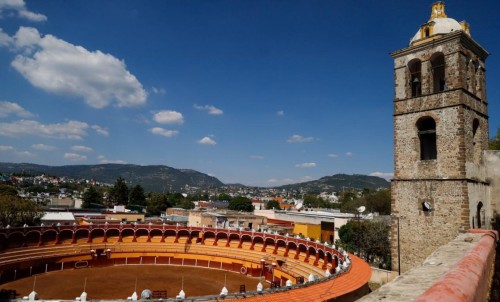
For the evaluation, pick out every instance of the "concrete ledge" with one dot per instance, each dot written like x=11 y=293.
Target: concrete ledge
x=470 y=278
x=458 y=271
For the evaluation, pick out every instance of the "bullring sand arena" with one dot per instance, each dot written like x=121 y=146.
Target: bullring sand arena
x=110 y=262
x=119 y=282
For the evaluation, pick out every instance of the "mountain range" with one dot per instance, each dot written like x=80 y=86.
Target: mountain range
x=159 y=178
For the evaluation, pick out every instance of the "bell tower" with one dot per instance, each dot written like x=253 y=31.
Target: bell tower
x=440 y=132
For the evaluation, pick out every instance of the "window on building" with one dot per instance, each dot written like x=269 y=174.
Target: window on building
x=478 y=80
x=438 y=72
x=475 y=126
x=427 y=32
x=478 y=214
x=415 y=67
x=427 y=135
x=476 y=141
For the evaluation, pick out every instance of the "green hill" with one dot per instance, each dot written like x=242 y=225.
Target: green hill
x=338 y=182
x=152 y=178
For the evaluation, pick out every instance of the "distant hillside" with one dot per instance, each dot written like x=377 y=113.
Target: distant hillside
x=151 y=178
x=339 y=181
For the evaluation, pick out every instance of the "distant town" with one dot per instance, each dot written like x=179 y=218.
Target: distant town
x=331 y=217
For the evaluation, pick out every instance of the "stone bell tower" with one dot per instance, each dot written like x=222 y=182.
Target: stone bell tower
x=440 y=132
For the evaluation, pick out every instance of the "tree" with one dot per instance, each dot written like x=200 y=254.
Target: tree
x=158 y=203
x=119 y=192
x=224 y=196
x=374 y=201
x=495 y=141
x=241 y=203
x=136 y=196
x=197 y=197
x=7 y=190
x=346 y=235
x=379 y=201
x=15 y=211
x=368 y=238
x=313 y=201
x=176 y=198
x=273 y=204
x=346 y=196
x=91 y=198
x=186 y=204
x=376 y=242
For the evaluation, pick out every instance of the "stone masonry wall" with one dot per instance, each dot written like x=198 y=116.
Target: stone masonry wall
x=450 y=162
x=422 y=232
x=456 y=180
x=492 y=164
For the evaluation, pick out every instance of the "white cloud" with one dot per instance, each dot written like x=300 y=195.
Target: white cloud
x=296 y=138
x=62 y=68
x=25 y=154
x=75 y=157
x=19 y=7
x=210 y=109
x=6 y=148
x=280 y=113
x=333 y=155
x=348 y=154
x=73 y=130
x=386 y=175
x=100 y=130
x=5 y=39
x=103 y=160
x=257 y=157
x=81 y=148
x=159 y=91
x=112 y=161
x=207 y=141
x=280 y=182
x=168 y=117
x=42 y=147
x=8 y=108
x=163 y=132
x=306 y=165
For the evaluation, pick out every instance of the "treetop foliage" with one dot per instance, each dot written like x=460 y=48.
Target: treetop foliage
x=369 y=239
x=240 y=203
x=495 y=141
x=119 y=192
x=15 y=211
x=377 y=201
x=137 y=196
x=7 y=190
x=92 y=198
x=273 y=204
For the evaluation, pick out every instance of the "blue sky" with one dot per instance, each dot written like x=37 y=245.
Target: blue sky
x=257 y=92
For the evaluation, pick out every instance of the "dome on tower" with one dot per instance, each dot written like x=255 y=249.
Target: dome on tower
x=439 y=24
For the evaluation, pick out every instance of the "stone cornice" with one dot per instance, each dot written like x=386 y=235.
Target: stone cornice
x=465 y=40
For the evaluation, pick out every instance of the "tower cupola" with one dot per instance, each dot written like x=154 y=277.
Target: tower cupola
x=438 y=25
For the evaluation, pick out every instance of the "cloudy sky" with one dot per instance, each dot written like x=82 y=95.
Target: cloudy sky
x=257 y=92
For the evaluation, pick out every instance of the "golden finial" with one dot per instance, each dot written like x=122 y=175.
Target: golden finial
x=437 y=11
